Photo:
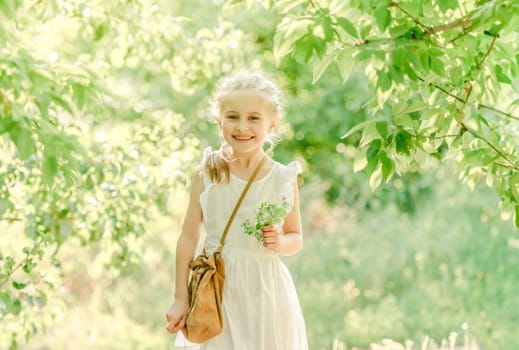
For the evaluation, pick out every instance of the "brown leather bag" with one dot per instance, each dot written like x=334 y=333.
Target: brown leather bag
x=204 y=319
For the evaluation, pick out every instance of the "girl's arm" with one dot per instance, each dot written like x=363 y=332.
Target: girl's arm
x=188 y=240
x=290 y=241
x=186 y=246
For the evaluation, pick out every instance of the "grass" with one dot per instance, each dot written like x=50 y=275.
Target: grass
x=376 y=276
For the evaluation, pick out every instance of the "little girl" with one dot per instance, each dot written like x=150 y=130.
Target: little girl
x=261 y=310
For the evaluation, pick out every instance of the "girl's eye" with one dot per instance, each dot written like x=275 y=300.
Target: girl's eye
x=232 y=117
x=253 y=117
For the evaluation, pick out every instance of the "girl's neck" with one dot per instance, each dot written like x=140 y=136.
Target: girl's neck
x=247 y=160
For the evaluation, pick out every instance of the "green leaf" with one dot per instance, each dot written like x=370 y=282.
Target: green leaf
x=319 y=46
x=285 y=6
x=382 y=129
x=50 y=168
x=65 y=228
x=396 y=74
x=516 y=216
x=100 y=30
x=372 y=165
x=387 y=165
x=7 y=9
x=496 y=28
x=320 y=66
x=437 y=66
x=366 y=30
x=23 y=141
x=369 y=134
x=404 y=120
x=412 y=58
x=288 y=33
x=6 y=124
x=447 y=4
x=9 y=264
x=356 y=128
x=376 y=178
x=383 y=17
x=348 y=26
x=417 y=106
x=282 y=47
x=345 y=63
x=501 y=77
x=28 y=265
x=360 y=161
x=398 y=31
x=16 y=307
x=383 y=81
x=20 y=285
x=373 y=149
x=514 y=186
x=402 y=138
x=5 y=297
x=61 y=102
x=4 y=205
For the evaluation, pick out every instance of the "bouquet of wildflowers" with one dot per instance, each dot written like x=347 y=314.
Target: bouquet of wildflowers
x=268 y=214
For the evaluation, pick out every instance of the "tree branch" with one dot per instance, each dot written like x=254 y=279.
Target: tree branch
x=36 y=244
x=414 y=19
x=497 y=111
x=463 y=33
x=5 y=100
x=480 y=64
x=10 y=219
x=461 y=22
x=314 y=5
x=423 y=137
x=513 y=165
x=459 y=99
x=469 y=92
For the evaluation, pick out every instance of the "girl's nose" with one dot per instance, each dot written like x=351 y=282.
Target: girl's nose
x=240 y=125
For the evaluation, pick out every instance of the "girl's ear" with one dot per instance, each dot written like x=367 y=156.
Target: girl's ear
x=273 y=123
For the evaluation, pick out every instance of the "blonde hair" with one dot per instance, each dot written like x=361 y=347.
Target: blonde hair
x=217 y=163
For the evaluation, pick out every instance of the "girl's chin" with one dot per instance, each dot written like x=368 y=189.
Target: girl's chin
x=245 y=147
x=244 y=140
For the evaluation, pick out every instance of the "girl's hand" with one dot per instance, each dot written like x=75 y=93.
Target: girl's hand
x=270 y=237
x=176 y=315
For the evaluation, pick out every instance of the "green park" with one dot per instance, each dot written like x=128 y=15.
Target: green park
x=404 y=115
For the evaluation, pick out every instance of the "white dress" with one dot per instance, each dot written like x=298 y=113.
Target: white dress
x=261 y=309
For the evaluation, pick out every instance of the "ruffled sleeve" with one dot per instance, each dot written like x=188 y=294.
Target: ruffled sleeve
x=205 y=155
x=289 y=177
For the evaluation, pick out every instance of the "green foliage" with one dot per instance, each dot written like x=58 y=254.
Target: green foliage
x=92 y=143
x=448 y=268
x=444 y=80
x=98 y=121
x=268 y=214
x=388 y=274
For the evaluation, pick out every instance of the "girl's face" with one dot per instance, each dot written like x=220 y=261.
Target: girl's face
x=246 y=119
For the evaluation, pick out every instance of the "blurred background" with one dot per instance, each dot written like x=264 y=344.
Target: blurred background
x=105 y=117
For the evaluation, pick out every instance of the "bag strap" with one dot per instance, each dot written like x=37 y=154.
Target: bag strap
x=237 y=206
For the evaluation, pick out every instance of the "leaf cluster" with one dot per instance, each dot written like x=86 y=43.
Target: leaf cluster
x=268 y=214
x=443 y=80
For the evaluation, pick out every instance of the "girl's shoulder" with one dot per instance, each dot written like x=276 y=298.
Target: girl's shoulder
x=288 y=172
x=206 y=157
x=293 y=166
